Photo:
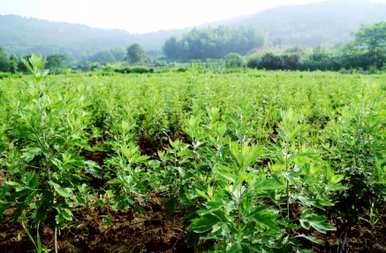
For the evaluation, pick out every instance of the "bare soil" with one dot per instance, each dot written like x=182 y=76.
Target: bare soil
x=127 y=231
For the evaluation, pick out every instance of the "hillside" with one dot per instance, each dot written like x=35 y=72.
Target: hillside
x=328 y=23
x=20 y=35
x=323 y=24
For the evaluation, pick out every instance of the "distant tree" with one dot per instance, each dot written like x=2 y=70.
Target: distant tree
x=21 y=65
x=103 y=57
x=55 y=62
x=135 y=54
x=371 y=41
x=119 y=54
x=271 y=61
x=290 y=61
x=253 y=61
x=13 y=61
x=4 y=61
x=350 y=57
x=171 y=48
x=366 y=52
x=234 y=60
x=213 y=43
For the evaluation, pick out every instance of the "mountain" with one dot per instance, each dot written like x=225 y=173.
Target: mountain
x=321 y=24
x=21 y=36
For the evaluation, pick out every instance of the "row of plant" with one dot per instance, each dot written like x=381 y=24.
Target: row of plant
x=255 y=161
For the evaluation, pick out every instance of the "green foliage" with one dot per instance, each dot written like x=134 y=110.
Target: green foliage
x=135 y=54
x=367 y=52
x=234 y=60
x=56 y=63
x=108 y=56
x=212 y=43
x=172 y=48
x=134 y=70
x=255 y=161
x=4 y=61
x=358 y=154
x=371 y=42
x=35 y=64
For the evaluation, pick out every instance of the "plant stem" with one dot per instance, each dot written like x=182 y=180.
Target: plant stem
x=56 y=239
x=287 y=187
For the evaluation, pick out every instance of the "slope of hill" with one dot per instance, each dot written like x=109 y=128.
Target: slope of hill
x=327 y=23
x=20 y=36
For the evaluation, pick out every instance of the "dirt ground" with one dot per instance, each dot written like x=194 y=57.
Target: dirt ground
x=127 y=231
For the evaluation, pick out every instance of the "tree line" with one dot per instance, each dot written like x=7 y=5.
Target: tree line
x=134 y=55
x=238 y=48
x=212 y=43
x=367 y=52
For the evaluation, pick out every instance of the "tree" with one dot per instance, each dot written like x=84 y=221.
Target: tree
x=234 y=60
x=13 y=61
x=103 y=57
x=171 y=48
x=4 y=61
x=271 y=61
x=212 y=43
x=21 y=64
x=135 y=54
x=55 y=62
x=371 y=41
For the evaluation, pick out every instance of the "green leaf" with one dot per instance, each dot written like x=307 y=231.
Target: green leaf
x=265 y=217
x=12 y=184
x=203 y=224
x=64 y=192
x=310 y=238
x=63 y=215
x=123 y=202
x=308 y=220
x=234 y=247
x=31 y=153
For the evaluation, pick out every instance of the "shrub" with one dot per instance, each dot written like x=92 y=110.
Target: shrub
x=234 y=60
x=134 y=70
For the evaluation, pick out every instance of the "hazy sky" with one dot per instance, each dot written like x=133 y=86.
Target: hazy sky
x=140 y=15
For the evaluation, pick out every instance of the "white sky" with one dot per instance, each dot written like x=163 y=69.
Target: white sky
x=139 y=16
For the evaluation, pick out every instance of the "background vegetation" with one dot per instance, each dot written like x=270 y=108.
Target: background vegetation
x=326 y=24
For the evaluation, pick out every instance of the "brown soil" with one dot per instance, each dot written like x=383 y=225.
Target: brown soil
x=127 y=231
x=150 y=147
x=361 y=237
x=263 y=162
x=182 y=136
x=274 y=133
x=98 y=156
x=319 y=122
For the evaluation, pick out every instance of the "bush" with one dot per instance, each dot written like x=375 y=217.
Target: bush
x=317 y=60
x=134 y=70
x=5 y=75
x=234 y=60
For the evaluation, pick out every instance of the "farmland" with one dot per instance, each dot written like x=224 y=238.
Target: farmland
x=248 y=161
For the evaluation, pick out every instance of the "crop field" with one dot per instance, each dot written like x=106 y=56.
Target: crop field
x=250 y=161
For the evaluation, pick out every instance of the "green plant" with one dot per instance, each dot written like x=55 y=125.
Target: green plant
x=251 y=161
x=44 y=181
x=249 y=210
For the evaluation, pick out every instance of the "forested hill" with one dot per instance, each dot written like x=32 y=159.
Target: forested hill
x=319 y=24
x=21 y=36
x=326 y=23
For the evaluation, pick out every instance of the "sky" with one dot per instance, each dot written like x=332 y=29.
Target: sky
x=141 y=16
